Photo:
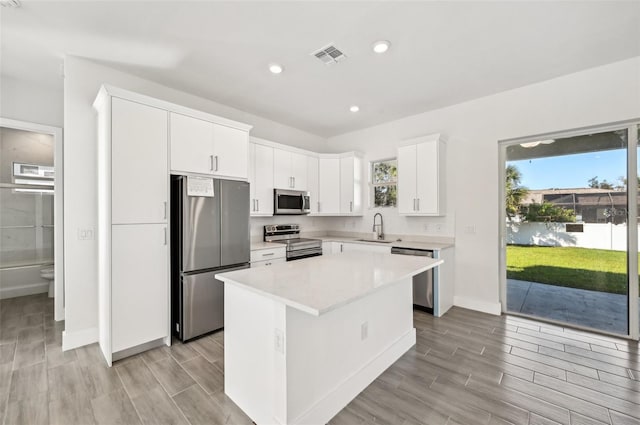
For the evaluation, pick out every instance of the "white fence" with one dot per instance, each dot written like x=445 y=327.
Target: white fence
x=599 y=236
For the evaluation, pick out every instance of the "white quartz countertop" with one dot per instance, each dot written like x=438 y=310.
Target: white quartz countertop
x=318 y=285
x=402 y=244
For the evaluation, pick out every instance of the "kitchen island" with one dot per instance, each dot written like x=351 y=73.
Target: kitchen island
x=303 y=338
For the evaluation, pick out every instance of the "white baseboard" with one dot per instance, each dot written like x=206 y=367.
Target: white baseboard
x=335 y=401
x=22 y=290
x=71 y=340
x=472 y=304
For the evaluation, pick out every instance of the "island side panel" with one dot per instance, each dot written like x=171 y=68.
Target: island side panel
x=329 y=362
x=443 y=282
x=249 y=355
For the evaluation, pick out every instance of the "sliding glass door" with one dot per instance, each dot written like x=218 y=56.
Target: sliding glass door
x=568 y=229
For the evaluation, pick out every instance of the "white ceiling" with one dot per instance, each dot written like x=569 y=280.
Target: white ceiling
x=442 y=53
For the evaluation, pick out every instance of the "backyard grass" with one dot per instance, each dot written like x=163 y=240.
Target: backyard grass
x=584 y=268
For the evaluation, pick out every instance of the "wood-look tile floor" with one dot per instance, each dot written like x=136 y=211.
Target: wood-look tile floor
x=466 y=368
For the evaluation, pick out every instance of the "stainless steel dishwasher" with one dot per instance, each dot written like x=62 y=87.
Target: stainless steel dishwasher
x=423 y=282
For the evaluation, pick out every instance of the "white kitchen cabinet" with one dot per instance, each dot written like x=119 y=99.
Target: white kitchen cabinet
x=139 y=180
x=204 y=147
x=290 y=170
x=268 y=256
x=313 y=182
x=329 y=186
x=261 y=179
x=139 y=289
x=133 y=254
x=421 y=174
x=230 y=151
x=268 y=262
x=191 y=144
x=351 y=185
x=361 y=247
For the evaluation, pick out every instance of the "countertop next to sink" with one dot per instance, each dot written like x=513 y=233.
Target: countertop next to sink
x=436 y=246
x=424 y=244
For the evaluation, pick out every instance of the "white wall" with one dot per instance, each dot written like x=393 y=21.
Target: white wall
x=600 y=95
x=83 y=79
x=26 y=101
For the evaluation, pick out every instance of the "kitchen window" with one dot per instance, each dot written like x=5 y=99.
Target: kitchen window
x=384 y=182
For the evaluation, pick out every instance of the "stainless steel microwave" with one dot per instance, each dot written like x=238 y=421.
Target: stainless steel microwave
x=291 y=202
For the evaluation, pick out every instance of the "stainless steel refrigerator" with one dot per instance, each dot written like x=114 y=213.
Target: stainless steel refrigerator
x=209 y=235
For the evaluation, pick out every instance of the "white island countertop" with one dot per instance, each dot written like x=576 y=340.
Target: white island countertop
x=318 y=285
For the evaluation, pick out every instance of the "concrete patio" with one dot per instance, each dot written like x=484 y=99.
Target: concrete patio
x=598 y=310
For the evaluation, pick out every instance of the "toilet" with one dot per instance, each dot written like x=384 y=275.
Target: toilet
x=48 y=274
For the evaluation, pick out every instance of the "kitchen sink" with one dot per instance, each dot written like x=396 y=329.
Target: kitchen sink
x=373 y=240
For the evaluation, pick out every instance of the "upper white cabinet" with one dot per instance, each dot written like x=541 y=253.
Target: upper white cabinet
x=204 y=147
x=313 y=182
x=350 y=184
x=329 y=185
x=290 y=170
x=421 y=174
x=138 y=175
x=261 y=179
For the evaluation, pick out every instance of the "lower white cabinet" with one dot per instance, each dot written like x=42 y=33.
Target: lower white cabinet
x=268 y=256
x=268 y=262
x=139 y=289
x=361 y=247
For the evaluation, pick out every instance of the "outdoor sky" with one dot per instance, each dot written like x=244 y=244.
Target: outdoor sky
x=572 y=171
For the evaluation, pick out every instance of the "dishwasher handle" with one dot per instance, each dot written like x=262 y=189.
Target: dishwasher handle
x=412 y=251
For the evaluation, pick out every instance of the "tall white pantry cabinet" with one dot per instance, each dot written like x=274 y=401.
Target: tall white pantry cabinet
x=134 y=158
x=133 y=234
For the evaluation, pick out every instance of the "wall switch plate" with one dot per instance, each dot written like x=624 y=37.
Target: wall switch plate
x=278 y=341
x=364 y=331
x=85 y=234
x=470 y=230
x=425 y=227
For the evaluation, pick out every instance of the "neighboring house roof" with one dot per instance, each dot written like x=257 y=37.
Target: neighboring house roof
x=579 y=196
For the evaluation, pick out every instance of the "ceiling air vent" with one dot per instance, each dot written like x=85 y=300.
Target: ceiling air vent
x=329 y=54
x=10 y=3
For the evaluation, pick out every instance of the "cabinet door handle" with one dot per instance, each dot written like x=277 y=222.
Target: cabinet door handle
x=418 y=202
x=350 y=206
x=268 y=254
x=165 y=235
x=257 y=204
x=318 y=206
x=294 y=182
x=165 y=210
x=211 y=162
x=414 y=204
x=253 y=205
x=341 y=247
x=216 y=157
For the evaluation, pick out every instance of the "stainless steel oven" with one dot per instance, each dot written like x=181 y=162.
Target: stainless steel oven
x=291 y=202
x=289 y=235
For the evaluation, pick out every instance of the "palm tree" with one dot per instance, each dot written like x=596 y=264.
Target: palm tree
x=514 y=192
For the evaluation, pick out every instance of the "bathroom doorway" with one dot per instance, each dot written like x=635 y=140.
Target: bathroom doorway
x=31 y=236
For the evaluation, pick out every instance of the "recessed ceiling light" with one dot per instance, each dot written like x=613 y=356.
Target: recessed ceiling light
x=275 y=68
x=354 y=108
x=381 y=46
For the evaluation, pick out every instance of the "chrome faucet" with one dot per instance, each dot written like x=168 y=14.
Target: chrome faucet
x=378 y=228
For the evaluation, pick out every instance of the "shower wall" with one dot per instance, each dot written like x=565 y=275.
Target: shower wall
x=26 y=219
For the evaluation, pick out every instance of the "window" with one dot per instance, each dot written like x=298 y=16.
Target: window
x=384 y=178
